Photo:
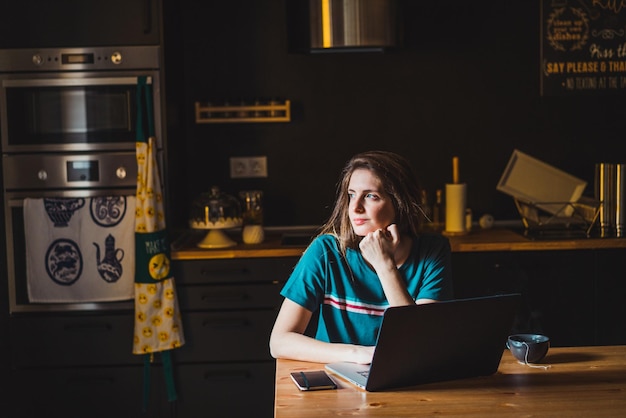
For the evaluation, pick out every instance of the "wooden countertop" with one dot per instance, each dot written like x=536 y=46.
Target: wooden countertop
x=509 y=240
x=479 y=240
x=581 y=382
x=185 y=249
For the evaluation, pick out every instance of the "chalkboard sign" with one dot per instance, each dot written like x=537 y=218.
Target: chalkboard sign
x=583 y=47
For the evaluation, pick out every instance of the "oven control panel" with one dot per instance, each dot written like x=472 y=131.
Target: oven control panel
x=85 y=59
x=69 y=171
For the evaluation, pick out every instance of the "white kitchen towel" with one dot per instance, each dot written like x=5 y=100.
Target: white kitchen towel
x=80 y=249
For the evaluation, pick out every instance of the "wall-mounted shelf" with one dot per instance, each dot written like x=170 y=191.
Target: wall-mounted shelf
x=274 y=111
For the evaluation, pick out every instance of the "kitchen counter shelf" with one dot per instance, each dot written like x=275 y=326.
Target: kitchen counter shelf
x=510 y=240
x=480 y=240
x=184 y=248
x=273 y=111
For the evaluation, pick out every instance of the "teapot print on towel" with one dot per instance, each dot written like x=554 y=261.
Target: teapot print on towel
x=110 y=267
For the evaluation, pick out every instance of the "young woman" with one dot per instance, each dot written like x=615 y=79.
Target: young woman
x=367 y=257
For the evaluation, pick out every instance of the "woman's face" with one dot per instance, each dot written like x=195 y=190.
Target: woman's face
x=370 y=208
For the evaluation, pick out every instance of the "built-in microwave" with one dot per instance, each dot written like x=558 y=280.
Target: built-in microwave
x=74 y=100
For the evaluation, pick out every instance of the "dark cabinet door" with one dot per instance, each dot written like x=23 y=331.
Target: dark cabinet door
x=226 y=390
x=94 y=392
x=611 y=294
x=80 y=23
x=73 y=340
x=557 y=288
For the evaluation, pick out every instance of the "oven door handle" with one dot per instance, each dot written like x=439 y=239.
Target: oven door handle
x=71 y=82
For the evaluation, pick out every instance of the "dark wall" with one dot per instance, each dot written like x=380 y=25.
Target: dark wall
x=465 y=83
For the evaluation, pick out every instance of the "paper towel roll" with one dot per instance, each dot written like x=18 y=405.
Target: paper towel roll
x=455 y=207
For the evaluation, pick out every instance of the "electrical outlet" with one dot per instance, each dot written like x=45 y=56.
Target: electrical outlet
x=246 y=167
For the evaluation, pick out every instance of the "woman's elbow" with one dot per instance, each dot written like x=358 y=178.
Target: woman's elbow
x=275 y=345
x=273 y=351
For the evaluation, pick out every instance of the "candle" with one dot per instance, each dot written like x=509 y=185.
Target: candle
x=455 y=170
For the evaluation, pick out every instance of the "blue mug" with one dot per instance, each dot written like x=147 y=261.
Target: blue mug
x=528 y=348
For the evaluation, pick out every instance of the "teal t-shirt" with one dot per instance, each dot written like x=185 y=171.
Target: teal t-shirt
x=348 y=294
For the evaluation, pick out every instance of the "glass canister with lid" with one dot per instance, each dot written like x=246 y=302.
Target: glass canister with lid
x=252 y=232
x=215 y=211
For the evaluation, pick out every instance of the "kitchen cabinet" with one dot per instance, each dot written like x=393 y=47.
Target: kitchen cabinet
x=610 y=291
x=79 y=23
x=229 y=389
x=77 y=364
x=228 y=308
x=575 y=297
x=72 y=340
x=103 y=392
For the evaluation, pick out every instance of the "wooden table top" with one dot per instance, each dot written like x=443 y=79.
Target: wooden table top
x=581 y=382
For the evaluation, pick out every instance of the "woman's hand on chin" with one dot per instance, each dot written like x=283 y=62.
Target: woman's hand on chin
x=378 y=247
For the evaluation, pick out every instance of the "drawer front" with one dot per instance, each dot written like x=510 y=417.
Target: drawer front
x=66 y=341
x=226 y=336
x=252 y=296
x=226 y=390
x=81 y=392
x=240 y=270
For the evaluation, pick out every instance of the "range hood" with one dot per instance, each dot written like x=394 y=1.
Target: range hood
x=343 y=25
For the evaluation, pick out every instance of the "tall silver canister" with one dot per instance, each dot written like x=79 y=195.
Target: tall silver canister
x=609 y=190
x=620 y=199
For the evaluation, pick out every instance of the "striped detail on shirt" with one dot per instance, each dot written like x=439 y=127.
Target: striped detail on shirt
x=354 y=306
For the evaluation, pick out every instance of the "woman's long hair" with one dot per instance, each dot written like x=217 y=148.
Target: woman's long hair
x=398 y=181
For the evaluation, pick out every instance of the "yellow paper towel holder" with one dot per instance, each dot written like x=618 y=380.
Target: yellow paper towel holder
x=455 y=180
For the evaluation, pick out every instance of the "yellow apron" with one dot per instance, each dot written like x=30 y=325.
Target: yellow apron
x=158 y=326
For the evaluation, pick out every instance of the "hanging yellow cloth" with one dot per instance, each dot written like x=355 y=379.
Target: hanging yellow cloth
x=157 y=316
x=158 y=326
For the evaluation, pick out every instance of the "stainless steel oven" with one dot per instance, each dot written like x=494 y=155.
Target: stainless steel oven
x=81 y=175
x=68 y=129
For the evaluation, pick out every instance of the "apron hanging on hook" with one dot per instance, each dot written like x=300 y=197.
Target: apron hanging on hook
x=158 y=326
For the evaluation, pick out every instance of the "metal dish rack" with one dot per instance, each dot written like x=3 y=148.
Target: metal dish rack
x=581 y=215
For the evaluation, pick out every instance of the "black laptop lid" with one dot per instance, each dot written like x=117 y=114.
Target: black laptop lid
x=441 y=341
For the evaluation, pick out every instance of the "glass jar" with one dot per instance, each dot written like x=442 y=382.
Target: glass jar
x=252 y=232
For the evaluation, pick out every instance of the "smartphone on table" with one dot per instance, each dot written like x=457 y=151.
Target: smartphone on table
x=313 y=380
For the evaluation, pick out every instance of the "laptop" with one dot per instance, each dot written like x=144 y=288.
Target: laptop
x=436 y=342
